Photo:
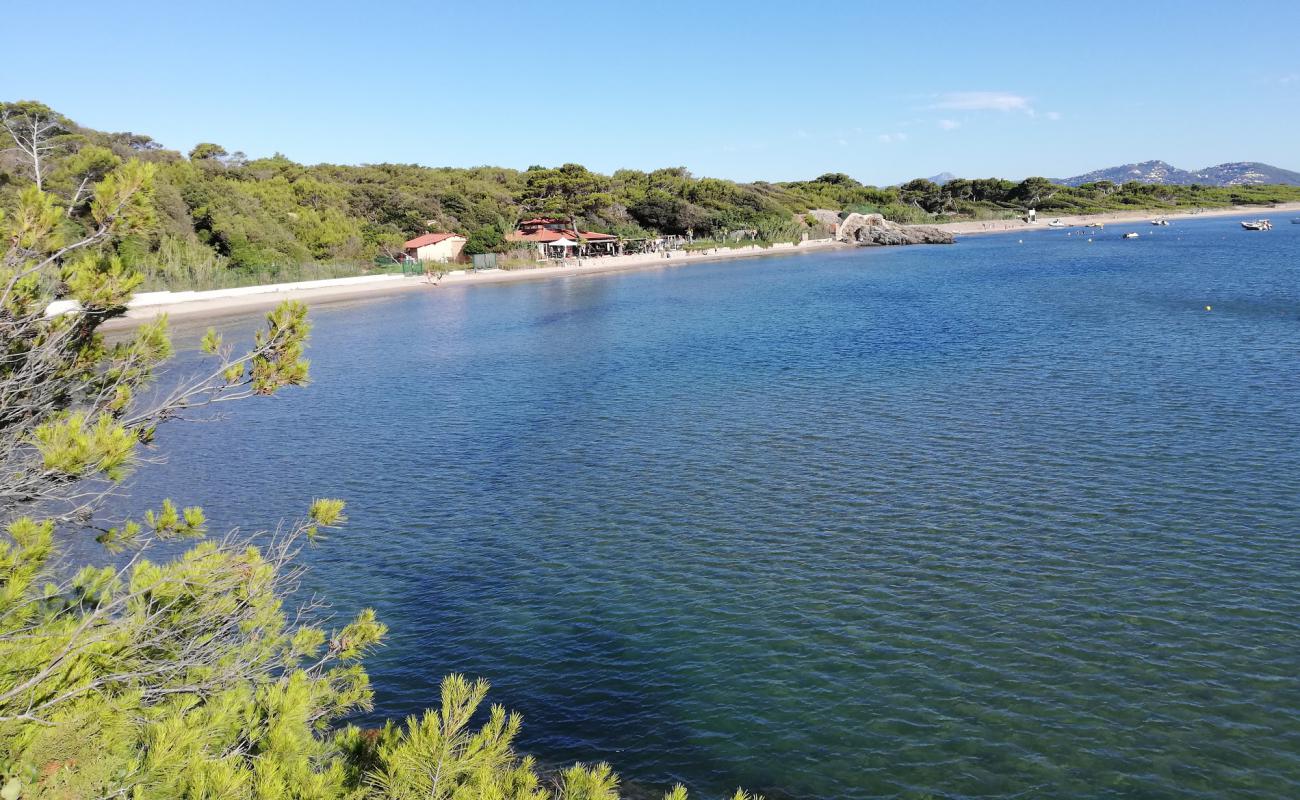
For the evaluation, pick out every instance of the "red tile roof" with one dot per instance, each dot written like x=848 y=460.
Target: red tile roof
x=536 y=236
x=553 y=236
x=428 y=239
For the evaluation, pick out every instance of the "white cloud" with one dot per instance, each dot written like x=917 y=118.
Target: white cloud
x=949 y=124
x=890 y=138
x=984 y=101
x=1053 y=115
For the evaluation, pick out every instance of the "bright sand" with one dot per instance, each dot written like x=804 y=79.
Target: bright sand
x=1118 y=217
x=212 y=304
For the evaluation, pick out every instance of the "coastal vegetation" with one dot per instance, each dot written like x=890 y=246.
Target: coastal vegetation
x=171 y=662
x=224 y=219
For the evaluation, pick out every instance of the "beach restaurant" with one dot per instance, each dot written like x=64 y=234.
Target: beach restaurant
x=555 y=238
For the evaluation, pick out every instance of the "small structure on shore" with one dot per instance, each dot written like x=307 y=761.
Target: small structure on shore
x=436 y=247
x=556 y=238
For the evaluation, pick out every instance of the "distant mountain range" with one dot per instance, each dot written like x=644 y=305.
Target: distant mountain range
x=1236 y=173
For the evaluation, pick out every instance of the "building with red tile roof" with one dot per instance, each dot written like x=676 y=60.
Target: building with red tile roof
x=435 y=247
x=556 y=237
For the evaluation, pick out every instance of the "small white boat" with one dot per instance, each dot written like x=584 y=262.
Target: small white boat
x=1130 y=235
x=1257 y=225
x=1159 y=222
x=1056 y=223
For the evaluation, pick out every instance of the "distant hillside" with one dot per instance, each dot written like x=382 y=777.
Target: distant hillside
x=943 y=177
x=1247 y=173
x=1236 y=173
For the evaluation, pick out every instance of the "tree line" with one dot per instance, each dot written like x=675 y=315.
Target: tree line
x=224 y=218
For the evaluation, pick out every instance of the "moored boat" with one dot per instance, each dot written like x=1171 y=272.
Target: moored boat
x=1131 y=235
x=1159 y=222
x=1257 y=225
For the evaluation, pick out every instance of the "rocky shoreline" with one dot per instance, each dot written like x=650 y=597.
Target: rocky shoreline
x=873 y=230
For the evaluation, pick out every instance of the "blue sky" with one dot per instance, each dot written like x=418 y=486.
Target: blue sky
x=743 y=90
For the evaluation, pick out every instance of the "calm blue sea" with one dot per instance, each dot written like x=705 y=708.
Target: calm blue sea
x=1002 y=519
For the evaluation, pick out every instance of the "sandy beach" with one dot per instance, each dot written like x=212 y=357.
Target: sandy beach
x=1119 y=217
x=221 y=303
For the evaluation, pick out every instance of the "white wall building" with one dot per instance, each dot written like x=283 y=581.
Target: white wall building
x=435 y=247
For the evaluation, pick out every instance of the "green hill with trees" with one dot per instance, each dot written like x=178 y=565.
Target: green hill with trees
x=225 y=219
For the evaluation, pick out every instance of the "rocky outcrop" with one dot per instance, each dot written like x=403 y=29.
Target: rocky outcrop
x=873 y=229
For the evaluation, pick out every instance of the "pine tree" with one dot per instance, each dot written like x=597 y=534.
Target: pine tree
x=188 y=676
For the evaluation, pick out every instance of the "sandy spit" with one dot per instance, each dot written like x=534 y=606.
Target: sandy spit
x=224 y=306
x=1117 y=217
